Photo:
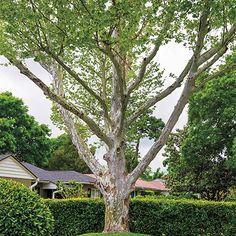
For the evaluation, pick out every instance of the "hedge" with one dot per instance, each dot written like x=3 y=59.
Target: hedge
x=77 y=216
x=148 y=216
x=23 y=212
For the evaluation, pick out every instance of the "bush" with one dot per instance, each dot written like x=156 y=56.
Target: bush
x=22 y=212
x=182 y=217
x=77 y=216
x=148 y=216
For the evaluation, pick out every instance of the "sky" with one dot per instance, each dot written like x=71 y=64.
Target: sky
x=172 y=57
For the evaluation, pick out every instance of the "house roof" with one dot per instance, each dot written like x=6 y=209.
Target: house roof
x=152 y=185
x=157 y=184
x=4 y=156
x=54 y=176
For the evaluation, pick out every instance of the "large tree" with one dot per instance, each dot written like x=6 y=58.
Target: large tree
x=102 y=58
x=21 y=134
x=201 y=157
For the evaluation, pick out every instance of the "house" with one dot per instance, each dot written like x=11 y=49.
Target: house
x=44 y=181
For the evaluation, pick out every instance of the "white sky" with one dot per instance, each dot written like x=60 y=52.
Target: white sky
x=172 y=57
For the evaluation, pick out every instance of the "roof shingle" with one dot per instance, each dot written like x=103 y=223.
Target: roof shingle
x=54 y=176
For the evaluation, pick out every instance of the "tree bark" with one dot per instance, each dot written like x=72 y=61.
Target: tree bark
x=116 y=211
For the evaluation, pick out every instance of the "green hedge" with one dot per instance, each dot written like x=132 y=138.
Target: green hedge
x=77 y=216
x=183 y=217
x=23 y=212
x=148 y=216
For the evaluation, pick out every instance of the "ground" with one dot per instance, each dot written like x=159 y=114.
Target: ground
x=114 y=234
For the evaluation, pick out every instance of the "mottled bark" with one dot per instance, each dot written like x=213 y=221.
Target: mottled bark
x=116 y=210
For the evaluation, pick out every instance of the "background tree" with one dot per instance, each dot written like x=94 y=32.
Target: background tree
x=101 y=55
x=146 y=126
x=20 y=134
x=201 y=158
x=65 y=156
x=149 y=175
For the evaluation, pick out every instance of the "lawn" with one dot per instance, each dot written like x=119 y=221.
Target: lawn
x=114 y=234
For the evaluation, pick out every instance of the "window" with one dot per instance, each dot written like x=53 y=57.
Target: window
x=95 y=193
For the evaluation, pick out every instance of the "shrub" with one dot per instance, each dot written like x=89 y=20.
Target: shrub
x=77 y=216
x=72 y=189
x=22 y=212
x=148 y=216
x=182 y=217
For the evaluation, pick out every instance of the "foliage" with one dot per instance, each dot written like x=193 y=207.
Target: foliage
x=231 y=196
x=72 y=189
x=65 y=156
x=201 y=157
x=182 y=217
x=22 y=212
x=20 y=134
x=150 y=175
x=75 y=217
x=178 y=176
x=148 y=216
x=146 y=126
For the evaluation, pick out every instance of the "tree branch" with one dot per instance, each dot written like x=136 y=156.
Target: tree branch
x=156 y=147
x=213 y=52
x=80 y=145
x=80 y=81
x=83 y=150
x=152 y=101
x=187 y=91
x=150 y=57
x=211 y=62
x=225 y=70
x=68 y=106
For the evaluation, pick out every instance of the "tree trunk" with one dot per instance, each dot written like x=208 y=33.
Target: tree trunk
x=116 y=212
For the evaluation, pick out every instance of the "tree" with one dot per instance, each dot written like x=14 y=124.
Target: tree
x=65 y=156
x=146 y=126
x=20 y=134
x=72 y=189
x=179 y=176
x=204 y=162
x=148 y=174
x=101 y=55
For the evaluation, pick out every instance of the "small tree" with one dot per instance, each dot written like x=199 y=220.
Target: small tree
x=101 y=55
x=72 y=189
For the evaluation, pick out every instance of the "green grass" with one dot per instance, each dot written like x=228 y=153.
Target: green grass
x=114 y=234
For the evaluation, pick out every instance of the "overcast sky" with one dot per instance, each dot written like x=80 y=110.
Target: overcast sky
x=172 y=57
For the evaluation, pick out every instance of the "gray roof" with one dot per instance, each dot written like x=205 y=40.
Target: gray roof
x=54 y=176
x=3 y=156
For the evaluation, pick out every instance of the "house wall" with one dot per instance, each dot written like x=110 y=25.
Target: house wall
x=92 y=191
x=26 y=182
x=10 y=168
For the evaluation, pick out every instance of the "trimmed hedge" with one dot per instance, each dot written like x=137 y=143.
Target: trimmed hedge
x=77 y=216
x=23 y=212
x=148 y=216
x=183 y=217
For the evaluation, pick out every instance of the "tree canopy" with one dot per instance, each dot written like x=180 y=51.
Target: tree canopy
x=21 y=134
